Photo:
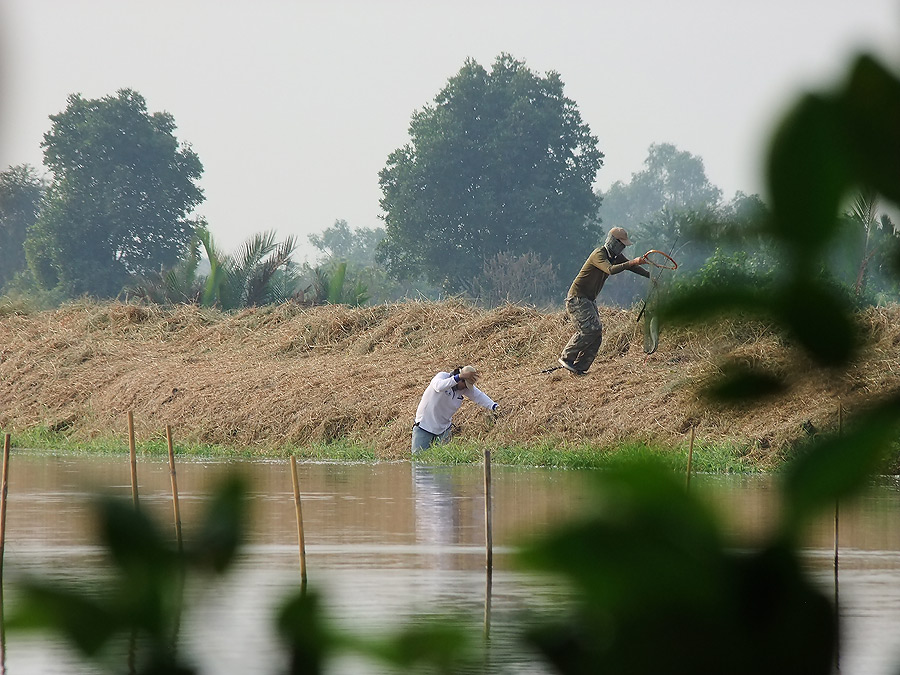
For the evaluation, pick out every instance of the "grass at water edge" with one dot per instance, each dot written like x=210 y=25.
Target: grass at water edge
x=707 y=458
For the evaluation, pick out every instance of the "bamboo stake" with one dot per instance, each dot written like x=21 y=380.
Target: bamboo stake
x=174 y=489
x=488 y=585
x=488 y=534
x=300 y=538
x=3 y=493
x=690 y=460
x=132 y=642
x=131 y=451
x=489 y=545
x=178 y=538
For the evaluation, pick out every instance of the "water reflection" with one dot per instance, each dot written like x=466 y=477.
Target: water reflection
x=2 y=634
x=437 y=515
x=391 y=541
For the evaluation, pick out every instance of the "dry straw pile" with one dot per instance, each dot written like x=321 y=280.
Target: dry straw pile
x=266 y=377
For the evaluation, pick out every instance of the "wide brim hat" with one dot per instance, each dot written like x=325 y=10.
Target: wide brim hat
x=620 y=234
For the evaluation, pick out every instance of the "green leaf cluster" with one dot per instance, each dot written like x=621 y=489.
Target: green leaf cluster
x=139 y=602
x=657 y=588
x=830 y=146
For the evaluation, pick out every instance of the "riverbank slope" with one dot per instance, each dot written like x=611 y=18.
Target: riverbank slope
x=267 y=377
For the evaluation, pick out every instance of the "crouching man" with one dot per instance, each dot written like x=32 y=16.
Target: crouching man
x=442 y=398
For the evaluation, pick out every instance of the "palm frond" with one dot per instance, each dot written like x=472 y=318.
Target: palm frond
x=257 y=289
x=336 y=284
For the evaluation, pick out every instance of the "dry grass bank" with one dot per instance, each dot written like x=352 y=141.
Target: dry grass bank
x=270 y=376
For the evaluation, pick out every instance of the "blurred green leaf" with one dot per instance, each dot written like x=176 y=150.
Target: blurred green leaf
x=688 y=303
x=808 y=174
x=145 y=589
x=131 y=538
x=821 y=319
x=870 y=104
x=740 y=382
x=220 y=535
x=302 y=629
x=428 y=644
x=657 y=589
x=646 y=539
x=836 y=467
x=142 y=595
x=85 y=621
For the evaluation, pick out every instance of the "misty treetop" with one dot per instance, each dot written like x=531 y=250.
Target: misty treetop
x=21 y=191
x=672 y=180
x=500 y=162
x=119 y=200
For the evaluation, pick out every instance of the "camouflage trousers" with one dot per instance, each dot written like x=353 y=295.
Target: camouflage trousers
x=582 y=348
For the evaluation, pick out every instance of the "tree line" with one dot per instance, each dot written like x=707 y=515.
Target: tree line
x=491 y=198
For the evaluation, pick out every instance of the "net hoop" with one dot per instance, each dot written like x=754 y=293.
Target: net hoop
x=660 y=259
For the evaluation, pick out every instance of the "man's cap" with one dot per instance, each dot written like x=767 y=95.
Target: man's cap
x=620 y=234
x=467 y=372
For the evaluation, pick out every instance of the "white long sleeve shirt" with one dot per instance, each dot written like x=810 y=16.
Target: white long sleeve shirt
x=440 y=401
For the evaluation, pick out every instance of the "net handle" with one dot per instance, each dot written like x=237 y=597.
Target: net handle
x=667 y=264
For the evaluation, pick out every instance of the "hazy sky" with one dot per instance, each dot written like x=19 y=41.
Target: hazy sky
x=293 y=107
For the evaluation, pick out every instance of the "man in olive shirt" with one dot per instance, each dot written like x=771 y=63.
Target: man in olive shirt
x=581 y=307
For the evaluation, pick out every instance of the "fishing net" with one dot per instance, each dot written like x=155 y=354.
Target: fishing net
x=651 y=332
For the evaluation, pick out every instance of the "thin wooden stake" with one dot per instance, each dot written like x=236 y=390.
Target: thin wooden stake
x=176 y=629
x=300 y=538
x=488 y=534
x=174 y=488
x=690 y=460
x=488 y=545
x=3 y=493
x=133 y=454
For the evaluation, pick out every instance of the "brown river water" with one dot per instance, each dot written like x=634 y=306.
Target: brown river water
x=390 y=541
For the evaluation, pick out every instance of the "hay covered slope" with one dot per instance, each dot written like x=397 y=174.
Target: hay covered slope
x=268 y=377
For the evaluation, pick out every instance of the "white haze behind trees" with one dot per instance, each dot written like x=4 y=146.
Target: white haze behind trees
x=293 y=108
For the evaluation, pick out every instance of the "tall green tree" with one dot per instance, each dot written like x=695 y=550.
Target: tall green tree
x=119 y=202
x=21 y=191
x=500 y=162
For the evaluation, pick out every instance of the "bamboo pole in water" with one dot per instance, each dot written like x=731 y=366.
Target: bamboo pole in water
x=488 y=534
x=133 y=455
x=300 y=538
x=178 y=538
x=489 y=544
x=3 y=494
x=174 y=488
x=690 y=459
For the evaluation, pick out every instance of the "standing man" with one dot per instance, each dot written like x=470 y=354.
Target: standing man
x=581 y=306
x=441 y=399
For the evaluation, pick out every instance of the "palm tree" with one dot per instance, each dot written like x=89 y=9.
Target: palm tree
x=251 y=272
x=865 y=212
x=259 y=273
